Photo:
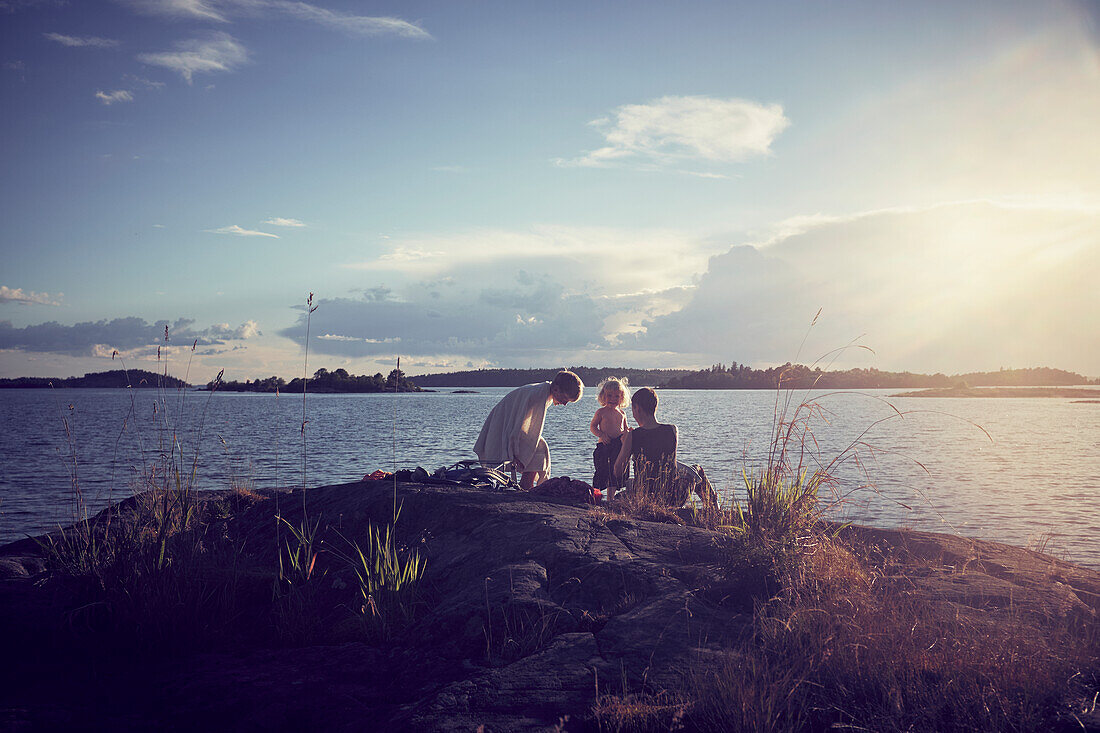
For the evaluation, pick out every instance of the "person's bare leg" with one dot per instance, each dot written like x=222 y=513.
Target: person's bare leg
x=528 y=480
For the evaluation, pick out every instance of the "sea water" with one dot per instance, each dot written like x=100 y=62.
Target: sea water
x=1016 y=470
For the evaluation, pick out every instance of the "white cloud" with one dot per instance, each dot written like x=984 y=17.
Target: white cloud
x=281 y=222
x=600 y=260
x=81 y=42
x=221 y=10
x=356 y=339
x=223 y=332
x=358 y=24
x=219 y=52
x=673 y=129
x=27 y=297
x=118 y=95
x=241 y=232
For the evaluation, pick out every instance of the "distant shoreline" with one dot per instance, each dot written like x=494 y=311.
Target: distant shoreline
x=1003 y=392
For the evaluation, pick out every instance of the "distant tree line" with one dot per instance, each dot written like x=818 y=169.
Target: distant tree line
x=324 y=381
x=138 y=378
x=798 y=376
x=591 y=376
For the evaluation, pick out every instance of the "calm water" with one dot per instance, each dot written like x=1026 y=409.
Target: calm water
x=931 y=469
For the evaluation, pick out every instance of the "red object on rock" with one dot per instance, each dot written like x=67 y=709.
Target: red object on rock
x=377 y=475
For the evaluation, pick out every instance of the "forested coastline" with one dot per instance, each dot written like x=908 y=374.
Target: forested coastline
x=798 y=376
x=115 y=378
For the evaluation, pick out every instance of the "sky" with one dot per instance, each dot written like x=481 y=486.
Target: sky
x=519 y=184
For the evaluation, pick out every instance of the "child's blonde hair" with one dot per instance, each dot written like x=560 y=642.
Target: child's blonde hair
x=612 y=386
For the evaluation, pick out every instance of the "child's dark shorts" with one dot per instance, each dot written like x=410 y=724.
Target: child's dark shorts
x=604 y=457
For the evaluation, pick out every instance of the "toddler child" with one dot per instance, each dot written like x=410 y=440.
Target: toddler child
x=608 y=425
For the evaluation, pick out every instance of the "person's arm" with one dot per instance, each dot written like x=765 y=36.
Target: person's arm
x=624 y=456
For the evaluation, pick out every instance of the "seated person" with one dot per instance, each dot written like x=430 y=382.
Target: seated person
x=513 y=429
x=651 y=447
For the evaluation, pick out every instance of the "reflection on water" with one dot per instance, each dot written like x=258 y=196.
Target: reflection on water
x=931 y=468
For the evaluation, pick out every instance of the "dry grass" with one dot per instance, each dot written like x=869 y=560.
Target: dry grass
x=638 y=712
x=845 y=646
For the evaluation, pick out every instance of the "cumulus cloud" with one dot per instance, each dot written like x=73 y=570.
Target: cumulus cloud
x=222 y=10
x=101 y=338
x=219 y=52
x=511 y=295
x=119 y=95
x=27 y=297
x=223 y=331
x=81 y=41
x=695 y=128
x=241 y=232
x=281 y=222
x=955 y=287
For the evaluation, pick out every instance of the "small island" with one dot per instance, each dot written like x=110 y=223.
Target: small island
x=323 y=381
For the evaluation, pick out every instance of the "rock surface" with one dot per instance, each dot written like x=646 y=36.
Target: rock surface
x=529 y=607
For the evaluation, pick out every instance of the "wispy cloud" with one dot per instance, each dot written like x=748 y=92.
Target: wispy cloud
x=82 y=41
x=222 y=10
x=179 y=8
x=27 y=297
x=241 y=232
x=118 y=95
x=219 y=52
x=143 y=82
x=357 y=24
x=282 y=222
x=673 y=129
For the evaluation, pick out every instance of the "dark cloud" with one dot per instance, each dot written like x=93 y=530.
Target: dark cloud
x=90 y=337
x=520 y=317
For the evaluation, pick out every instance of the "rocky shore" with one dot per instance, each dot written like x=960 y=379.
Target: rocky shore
x=532 y=614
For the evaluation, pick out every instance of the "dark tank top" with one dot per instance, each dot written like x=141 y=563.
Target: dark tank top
x=654 y=455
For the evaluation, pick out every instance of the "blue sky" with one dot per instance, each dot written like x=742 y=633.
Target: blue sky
x=521 y=184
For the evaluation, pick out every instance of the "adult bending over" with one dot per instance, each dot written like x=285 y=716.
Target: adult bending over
x=513 y=429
